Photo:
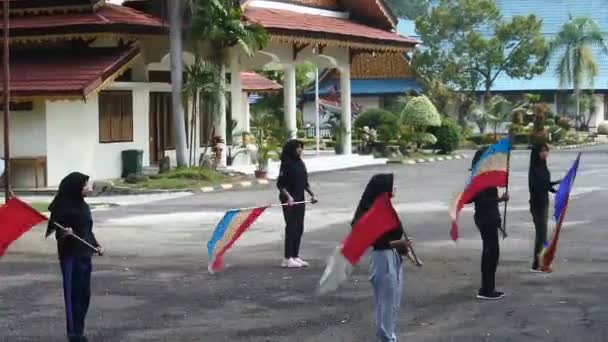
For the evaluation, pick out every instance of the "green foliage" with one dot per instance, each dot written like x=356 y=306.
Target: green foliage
x=460 y=53
x=420 y=113
x=269 y=135
x=448 y=136
x=410 y=9
x=219 y=23
x=424 y=139
x=603 y=128
x=384 y=122
x=577 y=63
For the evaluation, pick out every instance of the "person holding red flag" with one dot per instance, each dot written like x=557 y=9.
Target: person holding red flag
x=70 y=210
x=385 y=271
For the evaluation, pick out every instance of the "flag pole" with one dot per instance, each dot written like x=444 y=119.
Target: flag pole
x=75 y=236
x=7 y=101
x=270 y=206
x=503 y=229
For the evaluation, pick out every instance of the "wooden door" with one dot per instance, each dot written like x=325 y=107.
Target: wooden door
x=160 y=125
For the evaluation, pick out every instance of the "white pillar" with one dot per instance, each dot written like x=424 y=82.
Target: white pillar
x=221 y=127
x=246 y=113
x=346 y=109
x=289 y=93
x=236 y=97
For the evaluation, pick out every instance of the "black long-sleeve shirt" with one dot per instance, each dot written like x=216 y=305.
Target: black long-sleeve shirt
x=81 y=223
x=293 y=178
x=486 y=207
x=540 y=184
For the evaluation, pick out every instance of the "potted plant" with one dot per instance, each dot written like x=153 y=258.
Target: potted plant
x=263 y=157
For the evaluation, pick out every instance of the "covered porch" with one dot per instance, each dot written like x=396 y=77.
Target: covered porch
x=298 y=34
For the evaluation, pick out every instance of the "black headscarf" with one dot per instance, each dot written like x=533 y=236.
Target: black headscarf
x=477 y=156
x=535 y=160
x=378 y=185
x=290 y=151
x=69 y=198
x=539 y=178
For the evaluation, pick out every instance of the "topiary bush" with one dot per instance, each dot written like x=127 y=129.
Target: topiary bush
x=448 y=136
x=420 y=112
x=603 y=128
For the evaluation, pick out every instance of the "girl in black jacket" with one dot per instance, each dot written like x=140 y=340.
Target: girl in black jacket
x=488 y=221
x=540 y=184
x=292 y=184
x=71 y=211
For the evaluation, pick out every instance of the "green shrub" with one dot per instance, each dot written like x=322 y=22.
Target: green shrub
x=488 y=139
x=564 y=123
x=420 y=112
x=521 y=139
x=550 y=122
x=538 y=138
x=384 y=122
x=448 y=136
x=603 y=128
x=475 y=139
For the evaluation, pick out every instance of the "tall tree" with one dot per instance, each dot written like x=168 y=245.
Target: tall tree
x=409 y=9
x=574 y=46
x=217 y=26
x=467 y=46
x=176 y=25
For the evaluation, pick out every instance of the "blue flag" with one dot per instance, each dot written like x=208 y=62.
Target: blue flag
x=563 y=192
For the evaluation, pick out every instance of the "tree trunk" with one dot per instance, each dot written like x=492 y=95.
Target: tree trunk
x=578 y=105
x=221 y=100
x=179 y=125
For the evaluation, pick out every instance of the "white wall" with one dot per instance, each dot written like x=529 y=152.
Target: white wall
x=73 y=138
x=28 y=139
x=366 y=102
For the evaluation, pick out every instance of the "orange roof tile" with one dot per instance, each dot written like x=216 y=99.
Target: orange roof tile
x=256 y=83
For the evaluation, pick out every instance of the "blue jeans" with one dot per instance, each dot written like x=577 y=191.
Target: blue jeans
x=386 y=276
x=76 y=273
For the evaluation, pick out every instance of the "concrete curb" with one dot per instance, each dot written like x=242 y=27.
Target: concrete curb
x=570 y=147
x=427 y=160
x=234 y=186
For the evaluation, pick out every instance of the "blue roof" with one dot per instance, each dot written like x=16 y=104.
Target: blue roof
x=370 y=87
x=554 y=14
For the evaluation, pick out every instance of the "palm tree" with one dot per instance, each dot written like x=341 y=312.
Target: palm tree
x=574 y=43
x=217 y=26
x=175 y=22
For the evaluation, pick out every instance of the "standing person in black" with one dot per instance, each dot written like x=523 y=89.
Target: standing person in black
x=488 y=221
x=292 y=184
x=71 y=211
x=540 y=184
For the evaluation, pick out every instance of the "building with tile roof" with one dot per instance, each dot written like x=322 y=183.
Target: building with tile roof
x=376 y=81
x=554 y=14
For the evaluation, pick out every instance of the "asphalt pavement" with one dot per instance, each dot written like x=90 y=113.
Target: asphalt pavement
x=153 y=284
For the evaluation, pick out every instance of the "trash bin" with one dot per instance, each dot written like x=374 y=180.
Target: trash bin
x=132 y=162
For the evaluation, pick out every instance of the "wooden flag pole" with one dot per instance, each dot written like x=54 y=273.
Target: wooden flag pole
x=76 y=236
x=503 y=229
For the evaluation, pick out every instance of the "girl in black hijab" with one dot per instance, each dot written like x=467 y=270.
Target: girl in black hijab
x=71 y=211
x=487 y=220
x=540 y=184
x=292 y=184
x=385 y=272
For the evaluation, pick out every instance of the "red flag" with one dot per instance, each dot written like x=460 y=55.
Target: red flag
x=378 y=220
x=16 y=218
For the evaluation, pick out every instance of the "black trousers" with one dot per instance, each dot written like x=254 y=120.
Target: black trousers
x=489 y=256
x=76 y=273
x=540 y=216
x=294 y=228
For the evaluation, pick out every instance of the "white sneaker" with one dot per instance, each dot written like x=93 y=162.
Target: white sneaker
x=290 y=263
x=302 y=262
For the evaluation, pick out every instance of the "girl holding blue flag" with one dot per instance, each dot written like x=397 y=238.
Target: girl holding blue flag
x=539 y=184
